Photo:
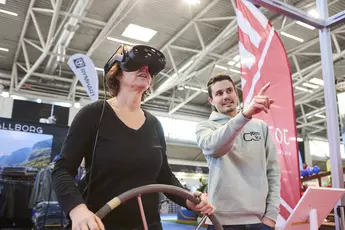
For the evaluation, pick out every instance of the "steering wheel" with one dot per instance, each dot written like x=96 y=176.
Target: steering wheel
x=154 y=188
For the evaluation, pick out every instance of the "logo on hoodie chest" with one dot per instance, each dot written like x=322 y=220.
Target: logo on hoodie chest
x=252 y=136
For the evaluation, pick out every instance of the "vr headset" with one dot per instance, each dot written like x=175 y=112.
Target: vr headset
x=133 y=58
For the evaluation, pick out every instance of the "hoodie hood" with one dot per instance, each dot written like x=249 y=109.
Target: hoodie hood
x=219 y=117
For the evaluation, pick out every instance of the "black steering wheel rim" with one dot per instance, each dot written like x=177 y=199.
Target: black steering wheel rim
x=153 y=188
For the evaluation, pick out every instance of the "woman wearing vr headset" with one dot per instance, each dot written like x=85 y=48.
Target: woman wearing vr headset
x=129 y=151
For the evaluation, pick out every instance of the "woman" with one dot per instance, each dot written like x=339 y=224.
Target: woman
x=130 y=152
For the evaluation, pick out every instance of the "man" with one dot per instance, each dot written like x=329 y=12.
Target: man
x=244 y=177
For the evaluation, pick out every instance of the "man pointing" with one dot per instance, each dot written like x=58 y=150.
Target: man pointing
x=244 y=177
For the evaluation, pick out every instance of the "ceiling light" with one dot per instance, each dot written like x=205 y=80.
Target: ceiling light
x=195 y=88
x=316 y=81
x=192 y=88
x=15 y=97
x=139 y=33
x=180 y=87
x=291 y=36
x=2 y=1
x=313 y=13
x=303 y=89
x=305 y=25
x=231 y=63
x=77 y=105
x=4 y=49
x=299 y=139
x=237 y=58
x=62 y=104
x=192 y=1
x=5 y=94
x=320 y=116
x=311 y=85
x=235 y=70
x=39 y=100
x=221 y=67
x=121 y=41
x=238 y=65
x=8 y=12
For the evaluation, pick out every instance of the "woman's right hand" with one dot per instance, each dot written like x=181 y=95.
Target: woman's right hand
x=83 y=219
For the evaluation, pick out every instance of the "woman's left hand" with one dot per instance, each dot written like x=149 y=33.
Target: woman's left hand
x=204 y=207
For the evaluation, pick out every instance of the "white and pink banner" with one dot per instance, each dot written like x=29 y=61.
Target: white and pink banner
x=263 y=60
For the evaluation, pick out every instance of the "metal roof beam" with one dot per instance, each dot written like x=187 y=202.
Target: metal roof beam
x=191 y=97
x=316 y=67
x=290 y=11
x=67 y=34
x=108 y=28
x=196 y=94
x=19 y=47
x=312 y=113
x=71 y=15
x=52 y=35
x=317 y=131
x=312 y=123
x=177 y=79
x=309 y=98
x=336 y=19
x=168 y=84
x=189 y=24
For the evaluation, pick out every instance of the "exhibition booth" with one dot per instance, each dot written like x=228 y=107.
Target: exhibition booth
x=29 y=145
x=26 y=160
x=26 y=153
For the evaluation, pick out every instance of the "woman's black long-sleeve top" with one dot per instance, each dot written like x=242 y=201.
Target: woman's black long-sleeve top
x=124 y=159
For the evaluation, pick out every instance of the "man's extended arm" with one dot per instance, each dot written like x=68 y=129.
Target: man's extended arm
x=216 y=142
x=273 y=177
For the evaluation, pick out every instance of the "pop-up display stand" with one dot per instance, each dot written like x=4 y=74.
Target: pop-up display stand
x=313 y=208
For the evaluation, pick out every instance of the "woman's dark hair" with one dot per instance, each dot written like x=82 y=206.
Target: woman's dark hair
x=112 y=79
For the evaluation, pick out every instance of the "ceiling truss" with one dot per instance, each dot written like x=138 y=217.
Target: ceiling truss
x=185 y=73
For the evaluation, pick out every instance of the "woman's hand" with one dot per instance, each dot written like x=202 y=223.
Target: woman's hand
x=204 y=207
x=83 y=219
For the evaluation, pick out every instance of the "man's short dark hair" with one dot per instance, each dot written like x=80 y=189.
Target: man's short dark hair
x=220 y=77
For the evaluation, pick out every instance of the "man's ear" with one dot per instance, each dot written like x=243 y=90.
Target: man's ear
x=236 y=90
x=210 y=100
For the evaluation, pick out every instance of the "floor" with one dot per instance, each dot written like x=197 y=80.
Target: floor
x=169 y=223
x=173 y=226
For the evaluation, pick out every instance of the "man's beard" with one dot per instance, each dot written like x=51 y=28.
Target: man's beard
x=229 y=110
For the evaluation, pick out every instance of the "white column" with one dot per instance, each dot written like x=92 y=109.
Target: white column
x=6 y=107
x=307 y=155
x=72 y=112
x=331 y=104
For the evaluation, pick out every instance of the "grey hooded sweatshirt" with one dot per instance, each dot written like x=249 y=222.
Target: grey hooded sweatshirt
x=244 y=173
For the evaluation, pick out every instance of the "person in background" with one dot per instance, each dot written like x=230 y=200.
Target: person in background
x=130 y=152
x=244 y=172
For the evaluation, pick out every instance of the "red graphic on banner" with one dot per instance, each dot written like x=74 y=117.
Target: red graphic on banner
x=263 y=60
